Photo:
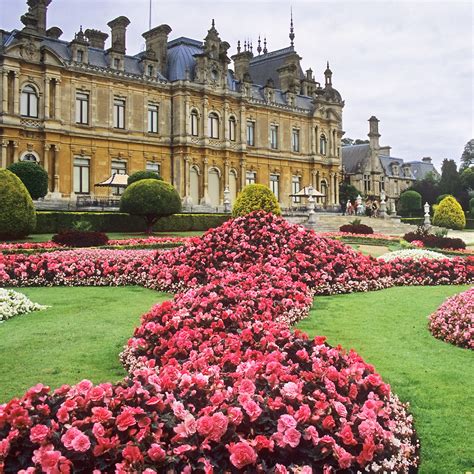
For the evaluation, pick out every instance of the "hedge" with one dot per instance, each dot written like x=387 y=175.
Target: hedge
x=419 y=221
x=52 y=222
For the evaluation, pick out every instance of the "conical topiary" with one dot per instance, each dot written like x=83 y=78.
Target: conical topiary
x=17 y=213
x=255 y=197
x=449 y=214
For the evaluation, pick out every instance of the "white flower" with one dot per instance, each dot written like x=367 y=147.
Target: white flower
x=414 y=254
x=13 y=304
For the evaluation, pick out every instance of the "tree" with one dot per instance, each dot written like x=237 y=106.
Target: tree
x=151 y=199
x=467 y=157
x=450 y=182
x=138 y=175
x=428 y=187
x=449 y=214
x=33 y=176
x=17 y=213
x=255 y=197
x=349 y=141
x=467 y=179
x=410 y=203
x=347 y=192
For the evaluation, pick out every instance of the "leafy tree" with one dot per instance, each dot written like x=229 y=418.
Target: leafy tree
x=138 y=175
x=349 y=141
x=410 y=203
x=467 y=178
x=428 y=187
x=33 y=176
x=450 y=182
x=151 y=199
x=467 y=157
x=347 y=191
x=17 y=213
x=255 y=197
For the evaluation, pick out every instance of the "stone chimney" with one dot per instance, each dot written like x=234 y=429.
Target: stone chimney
x=374 y=134
x=157 y=43
x=426 y=159
x=96 y=38
x=35 y=18
x=119 y=29
x=54 y=32
x=241 y=63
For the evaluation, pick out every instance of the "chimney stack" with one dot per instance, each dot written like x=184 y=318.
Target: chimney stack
x=96 y=38
x=374 y=134
x=426 y=159
x=119 y=29
x=241 y=63
x=35 y=18
x=157 y=42
x=54 y=32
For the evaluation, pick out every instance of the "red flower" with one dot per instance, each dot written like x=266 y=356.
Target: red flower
x=242 y=454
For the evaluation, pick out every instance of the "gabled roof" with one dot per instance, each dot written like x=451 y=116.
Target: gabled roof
x=420 y=169
x=354 y=157
x=387 y=163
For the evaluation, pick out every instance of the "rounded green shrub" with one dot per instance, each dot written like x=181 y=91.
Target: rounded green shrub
x=151 y=199
x=33 y=176
x=17 y=213
x=449 y=214
x=471 y=206
x=255 y=197
x=410 y=203
x=138 y=175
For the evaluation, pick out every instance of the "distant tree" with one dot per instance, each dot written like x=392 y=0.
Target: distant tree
x=410 y=203
x=347 y=191
x=349 y=141
x=467 y=178
x=450 y=182
x=428 y=187
x=359 y=141
x=467 y=157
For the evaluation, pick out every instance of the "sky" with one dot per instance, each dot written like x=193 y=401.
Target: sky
x=408 y=62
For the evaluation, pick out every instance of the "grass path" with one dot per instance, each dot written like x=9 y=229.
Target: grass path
x=79 y=337
x=389 y=329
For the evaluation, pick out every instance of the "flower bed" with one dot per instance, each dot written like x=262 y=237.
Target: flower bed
x=217 y=381
x=13 y=304
x=414 y=254
x=453 y=321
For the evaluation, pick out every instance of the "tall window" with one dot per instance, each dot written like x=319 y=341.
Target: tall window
x=295 y=140
x=251 y=133
x=251 y=177
x=213 y=125
x=194 y=123
x=29 y=102
x=81 y=175
x=80 y=56
x=116 y=63
x=275 y=185
x=382 y=183
x=153 y=166
x=118 y=167
x=323 y=145
x=367 y=183
x=232 y=127
x=296 y=187
x=119 y=113
x=82 y=108
x=274 y=137
x=152 y=118
x=150 y=70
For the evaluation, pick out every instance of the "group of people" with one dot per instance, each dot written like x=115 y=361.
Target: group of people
x=369 y=208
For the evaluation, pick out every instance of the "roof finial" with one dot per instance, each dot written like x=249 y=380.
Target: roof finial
x=327 y=64
x=259 y=47
x=213 y=23
x=251 y=47
x=238 y=46
x=265 y=50
x=245 y=45
x=292 y=30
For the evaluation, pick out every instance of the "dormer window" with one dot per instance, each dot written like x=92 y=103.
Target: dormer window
x=150 y=70
x=29 y=102
x=214 y=75
x=116 y=63
x=80 y=56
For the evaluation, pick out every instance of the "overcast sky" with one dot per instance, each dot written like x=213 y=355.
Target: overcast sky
x=409 y=63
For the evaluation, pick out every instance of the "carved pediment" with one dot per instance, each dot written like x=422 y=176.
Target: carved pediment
x=48 y=56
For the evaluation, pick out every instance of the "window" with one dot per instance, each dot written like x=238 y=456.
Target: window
x=367 y=183
x=155 y=167
x=232 y=127
x=119 y=113
x=152 y=118
x=251 y=177
x=382 y=183
x=81 y=175
x=150 y=70
x=118 y=167
x=296 y=187
x=29 y=102
x=275 y=185
x=116 y=63
x=251 y=133
x=80 y=56
x=295 y=140
x=323 y=144
x=194 y=123
x=213 y=125
x=82 y=108
x=274 y=137
x=29 y=157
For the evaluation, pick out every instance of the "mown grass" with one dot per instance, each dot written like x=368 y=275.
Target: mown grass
x=389 y=329
x=80 y=336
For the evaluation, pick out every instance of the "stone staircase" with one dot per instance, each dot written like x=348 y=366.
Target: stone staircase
x=331 y=222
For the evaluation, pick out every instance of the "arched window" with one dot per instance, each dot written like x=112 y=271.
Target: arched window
x=194 y=123
x=29 y=102
x=233 y=185
x=213 y=125
x=29 y=157
x=232 y=127
x=214 y=186
x=323 y=145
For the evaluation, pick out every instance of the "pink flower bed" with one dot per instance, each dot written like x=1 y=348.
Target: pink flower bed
x=374 y=236
x=217 y=381
x=453 y=321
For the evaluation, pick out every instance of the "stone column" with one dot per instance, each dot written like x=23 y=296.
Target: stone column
x=243 y=126
x=56 y=169
x=205 y=177
x=16 y=93
x=15 y=152
x=330 y=188
x=57 y=101
x=243 y=174
x=204 y=117
x=47 y=80
x=4 y=91
x=336 y=187
x=3 y=153
x=226 y=173
x=225 y=118
x=46 y=160
x=187 y=182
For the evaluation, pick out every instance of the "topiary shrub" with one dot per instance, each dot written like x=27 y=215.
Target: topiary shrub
x=17 y=213
x=137 y=176
x=449 y=214
x=410 y=203
x=356 y=229
x=80 y=238
x=471 y=206
x=151 y=199
x=255 y=197
x=33 y=176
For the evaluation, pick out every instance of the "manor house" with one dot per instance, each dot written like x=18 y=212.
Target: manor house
x=85 y=111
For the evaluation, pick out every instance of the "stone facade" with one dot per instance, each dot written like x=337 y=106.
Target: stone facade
x=371 y=169
x=84 y=112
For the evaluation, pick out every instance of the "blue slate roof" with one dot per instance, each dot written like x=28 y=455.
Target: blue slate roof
x=420 y=169
x=354 y=157
x=181 y=53
x=387 y=163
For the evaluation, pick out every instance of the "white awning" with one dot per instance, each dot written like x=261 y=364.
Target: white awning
x=116 y=180
x=304 y=192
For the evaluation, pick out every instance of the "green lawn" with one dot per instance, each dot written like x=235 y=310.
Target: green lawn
x=389 y=329
x=79 y=336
